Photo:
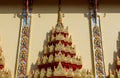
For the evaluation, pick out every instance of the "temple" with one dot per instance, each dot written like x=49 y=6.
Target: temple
x=60 y=39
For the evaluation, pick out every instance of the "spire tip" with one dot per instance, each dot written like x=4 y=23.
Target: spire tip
x=59 y=12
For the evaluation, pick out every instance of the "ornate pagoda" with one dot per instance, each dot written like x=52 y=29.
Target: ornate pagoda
x=3 y=72
x=115 y=73
x=58 y=58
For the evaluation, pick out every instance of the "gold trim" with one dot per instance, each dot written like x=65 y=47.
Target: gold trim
x=92 y=48
x=29 y=45
x=18 y=48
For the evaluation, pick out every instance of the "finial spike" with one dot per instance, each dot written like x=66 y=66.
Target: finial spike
x=59 y=12
x=27 y=11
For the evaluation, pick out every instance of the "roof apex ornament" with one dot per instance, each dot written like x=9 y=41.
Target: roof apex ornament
x=59 y=12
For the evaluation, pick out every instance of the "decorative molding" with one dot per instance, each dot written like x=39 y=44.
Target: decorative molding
x=23 y=48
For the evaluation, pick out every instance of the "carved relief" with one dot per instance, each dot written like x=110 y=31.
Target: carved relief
x=25 y=31
x=45 y=51
x=70 y=39
x=79 y=61
x=73 y=49
x=42 y=73
x=118 y=60
x=70 y=72
x=118 y=73
x=66 y=30
x=77 y=73
x=99 y=67
x=45 y=59
x=59 y=28
x=59 y=47
x=68 y=59
x=51 y=48
x=96 y=31
x=48 y=38
x=49 y=72
x=68 y=48
x=22 y=68
x=59 y=71
x=52 y=38
x=59 y=37
x=97 y=41
x=74 y=61
x=53 y=30
x=24 y=42
x=58 y=57
x=23 y=55
x=2 y=59
x=112 y=74
x=51 y=58
x=4 y=73
x=36 y=73
x=39 y=61
x=63 y=58
x=98 y=54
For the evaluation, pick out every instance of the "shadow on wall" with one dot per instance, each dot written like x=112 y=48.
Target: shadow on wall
x=112 y=67
x=50 y=6
x=34 y=67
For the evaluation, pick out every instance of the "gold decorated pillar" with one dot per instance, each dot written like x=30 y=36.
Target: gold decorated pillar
x=96 y=41
x=23 y=43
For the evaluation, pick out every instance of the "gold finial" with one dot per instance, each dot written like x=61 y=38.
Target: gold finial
x=59 y=12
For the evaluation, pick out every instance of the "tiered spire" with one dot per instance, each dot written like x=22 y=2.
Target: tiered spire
x=3 y=72
x=59 y=57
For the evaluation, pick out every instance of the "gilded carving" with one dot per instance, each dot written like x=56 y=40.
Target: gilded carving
x=26 y=31
x=45 y=50
x=70 y=72
x=51 y=58
x=66 y=30
x=51 y=48
x=68 y=59
x=58 y=57
x=68 y=48
x=59 y=47
x=39 y=60
x=42 y=73
x=96 y=31
x=49 y=72
x=60 y=37
x=97 y=41
x=98 y=54
x=36 y=73
x=59 y=71
x=45 y=59
x=77 y=73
